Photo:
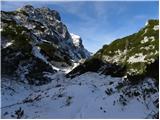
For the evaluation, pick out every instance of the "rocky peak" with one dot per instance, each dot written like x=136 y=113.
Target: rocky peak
x=40 y=14
x=77 y=41
x=40 y=42
x=27 y=8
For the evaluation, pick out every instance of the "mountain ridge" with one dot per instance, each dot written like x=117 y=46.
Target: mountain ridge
x=37 y=34
x=133 y=54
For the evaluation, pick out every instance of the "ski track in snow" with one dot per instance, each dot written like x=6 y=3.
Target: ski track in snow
x=81 y=97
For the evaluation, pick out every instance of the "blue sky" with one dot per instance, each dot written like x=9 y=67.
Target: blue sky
x=98 y=23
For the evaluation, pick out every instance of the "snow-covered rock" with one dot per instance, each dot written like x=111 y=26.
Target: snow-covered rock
x=136 y=58
x=8 y=44
x=144 y=40
x=156 y=27
x=76 y=40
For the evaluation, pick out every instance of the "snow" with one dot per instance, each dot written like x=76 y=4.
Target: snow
x=55 y=68
x=46 y=41
x=146 y=23
x=8 y=44
x=132 y=71
x=36 y=52
x=29 y=26
x=118 y=52
x=81 y=97
x=118 y=57
x=145 y=40
x=139 y=57
x=152 y=38
x=156 y=27
x=151 y=60
x=156 y=52
x=76 y=39
x=145 y=31
x=17 y=17
x=1 y=29
x=68 y=69
x=148 y=47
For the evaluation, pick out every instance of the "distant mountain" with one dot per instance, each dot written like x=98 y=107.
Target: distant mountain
x=134 y=55
x=35 y=41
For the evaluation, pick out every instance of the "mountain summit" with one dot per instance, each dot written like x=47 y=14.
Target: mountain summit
x=35 y=41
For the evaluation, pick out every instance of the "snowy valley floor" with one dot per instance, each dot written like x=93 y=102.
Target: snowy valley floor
x=89 y=95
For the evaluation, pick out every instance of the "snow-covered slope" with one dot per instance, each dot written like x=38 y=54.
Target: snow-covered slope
x=89 y=95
